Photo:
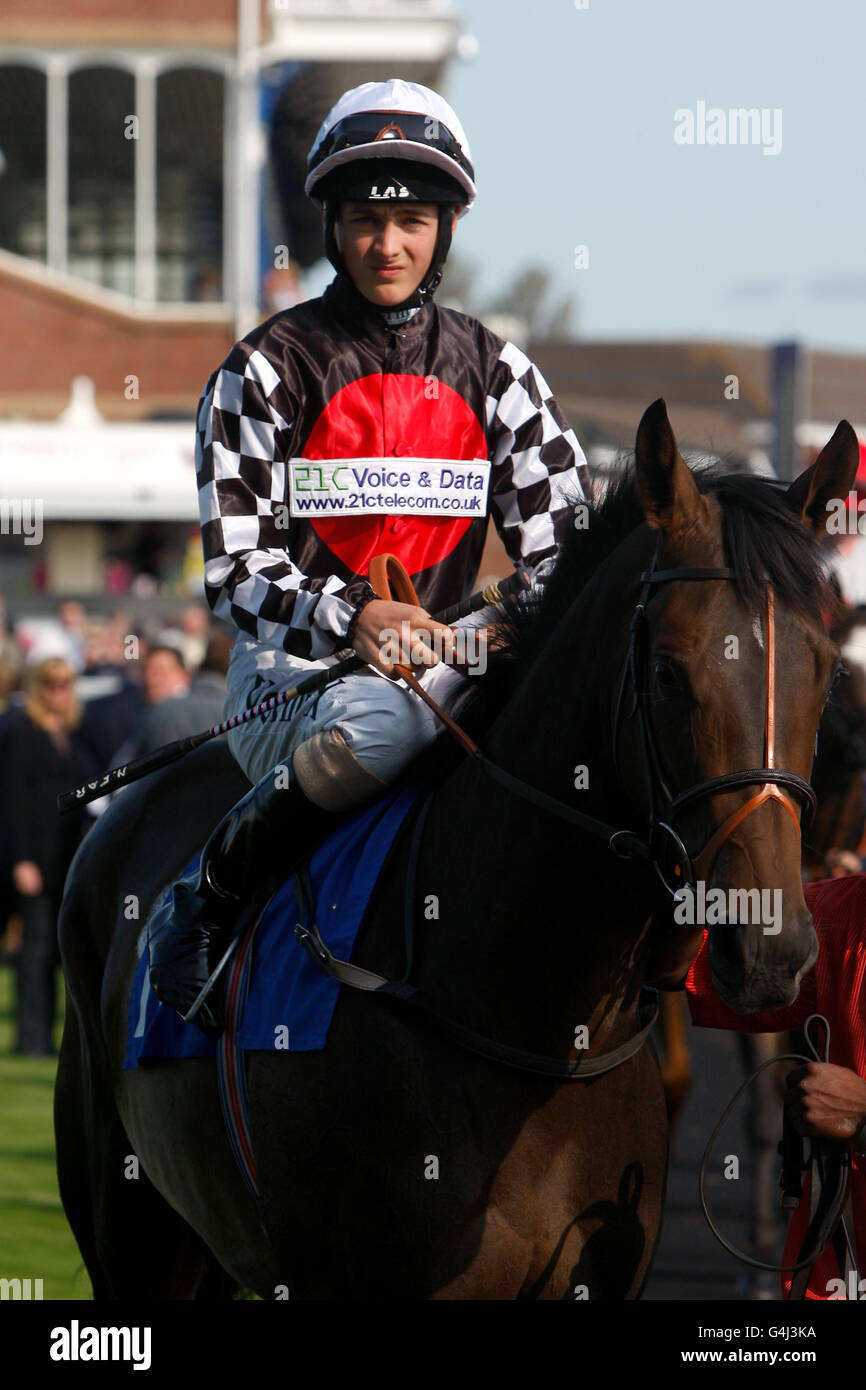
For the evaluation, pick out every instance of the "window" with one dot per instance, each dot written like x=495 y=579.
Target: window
x=189 y=201
x=102 y=177
x=102 y=142
x=22 y=161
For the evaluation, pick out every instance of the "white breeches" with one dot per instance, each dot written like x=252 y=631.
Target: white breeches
x=366 y=727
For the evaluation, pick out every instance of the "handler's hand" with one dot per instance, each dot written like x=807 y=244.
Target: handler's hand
x=826 y=1100
x=387 y=634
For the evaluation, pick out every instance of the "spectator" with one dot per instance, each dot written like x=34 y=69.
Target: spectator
x=200 y=708
x=284 y=288
x=11 y=719
x=108 y=722
x=165 y=674
x=191 y=637
x=166 y=681
x=11 y=659
x=42 y=760
x=73 y=620
x=195 y=626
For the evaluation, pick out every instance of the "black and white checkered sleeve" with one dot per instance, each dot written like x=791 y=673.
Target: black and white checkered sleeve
x=538 y=467
x=250 y=579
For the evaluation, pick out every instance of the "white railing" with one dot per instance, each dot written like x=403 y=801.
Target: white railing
x=358 y=9
x=37 y=273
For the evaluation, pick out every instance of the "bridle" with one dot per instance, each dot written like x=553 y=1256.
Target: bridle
x=389 y=577
x=663 y=807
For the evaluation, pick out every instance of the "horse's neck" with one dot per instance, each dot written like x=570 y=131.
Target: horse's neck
x=539 y=923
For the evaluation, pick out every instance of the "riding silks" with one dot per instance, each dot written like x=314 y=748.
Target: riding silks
x=325 y=439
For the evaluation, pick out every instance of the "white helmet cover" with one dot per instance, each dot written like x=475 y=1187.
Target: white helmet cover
x=439 y=138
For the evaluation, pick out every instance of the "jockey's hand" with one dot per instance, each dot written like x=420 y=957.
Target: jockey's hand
x=388 y=634
x=27 y=878
x=825 y=1100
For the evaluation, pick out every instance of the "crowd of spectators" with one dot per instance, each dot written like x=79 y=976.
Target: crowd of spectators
x=81 y=693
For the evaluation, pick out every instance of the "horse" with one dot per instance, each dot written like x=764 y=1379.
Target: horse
x=397 y=1163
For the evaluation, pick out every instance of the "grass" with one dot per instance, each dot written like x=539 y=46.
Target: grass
x=35 y=1239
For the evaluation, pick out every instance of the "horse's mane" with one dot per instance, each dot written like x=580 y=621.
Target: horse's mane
x=763 y=540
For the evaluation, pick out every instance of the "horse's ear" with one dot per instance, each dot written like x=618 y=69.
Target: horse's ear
x=670 y=497
x=828 y=481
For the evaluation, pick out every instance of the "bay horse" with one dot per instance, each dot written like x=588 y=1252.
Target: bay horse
x=395 y=1164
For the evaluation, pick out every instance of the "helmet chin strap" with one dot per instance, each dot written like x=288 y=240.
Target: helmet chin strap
x=428 y=286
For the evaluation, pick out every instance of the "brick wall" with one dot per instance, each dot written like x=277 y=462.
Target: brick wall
x=48 y=337
x=207 y=23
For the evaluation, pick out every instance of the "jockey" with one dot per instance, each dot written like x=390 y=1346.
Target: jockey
x=369 y=420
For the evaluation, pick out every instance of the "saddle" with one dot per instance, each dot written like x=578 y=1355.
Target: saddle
x=286 y=989
x=192 y=938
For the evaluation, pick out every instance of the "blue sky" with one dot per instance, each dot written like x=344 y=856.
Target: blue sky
x=570 y=115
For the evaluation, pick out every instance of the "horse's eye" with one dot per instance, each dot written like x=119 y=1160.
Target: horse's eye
x=841 y=670
x=666 y=675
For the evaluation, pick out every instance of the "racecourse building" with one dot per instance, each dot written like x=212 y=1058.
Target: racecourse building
x=151 y=212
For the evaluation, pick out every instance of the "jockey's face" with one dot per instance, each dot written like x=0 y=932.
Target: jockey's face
x=387 y=250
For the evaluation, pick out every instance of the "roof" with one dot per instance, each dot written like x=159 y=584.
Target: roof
x=604 y=388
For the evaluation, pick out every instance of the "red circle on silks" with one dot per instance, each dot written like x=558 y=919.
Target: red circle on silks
x=395 y=415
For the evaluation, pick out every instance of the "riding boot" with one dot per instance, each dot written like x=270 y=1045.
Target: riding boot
x=263 y=839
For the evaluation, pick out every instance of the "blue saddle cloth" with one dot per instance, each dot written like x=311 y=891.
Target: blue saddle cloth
x=290 y=999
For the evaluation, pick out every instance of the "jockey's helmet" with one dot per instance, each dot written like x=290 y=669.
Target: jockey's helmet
x=392 y=140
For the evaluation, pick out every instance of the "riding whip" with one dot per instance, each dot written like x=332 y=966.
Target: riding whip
x=346 y=662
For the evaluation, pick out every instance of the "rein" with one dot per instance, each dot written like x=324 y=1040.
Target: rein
x=389 y=577
x=687 y=870
x=626 y=843
x=827 y=1217
x=534 y=1063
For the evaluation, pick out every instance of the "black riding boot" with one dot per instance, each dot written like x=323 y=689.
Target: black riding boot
x=267 y=835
